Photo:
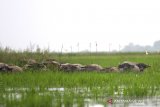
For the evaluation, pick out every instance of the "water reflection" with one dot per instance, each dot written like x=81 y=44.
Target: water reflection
x=75 y=97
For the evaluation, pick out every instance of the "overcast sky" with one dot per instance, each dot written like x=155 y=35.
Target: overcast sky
x=69 y=22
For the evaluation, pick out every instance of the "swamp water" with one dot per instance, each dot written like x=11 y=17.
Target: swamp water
x=74 y=97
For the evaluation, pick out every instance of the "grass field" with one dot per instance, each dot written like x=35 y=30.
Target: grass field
x=53 y=88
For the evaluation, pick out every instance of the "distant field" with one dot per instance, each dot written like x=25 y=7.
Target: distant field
x=56 y=88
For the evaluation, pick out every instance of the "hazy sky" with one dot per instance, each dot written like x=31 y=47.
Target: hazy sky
x=68 y=22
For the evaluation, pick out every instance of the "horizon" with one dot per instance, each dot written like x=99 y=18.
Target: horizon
x=131 y=47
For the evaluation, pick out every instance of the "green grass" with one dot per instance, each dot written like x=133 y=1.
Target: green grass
x=77 y=85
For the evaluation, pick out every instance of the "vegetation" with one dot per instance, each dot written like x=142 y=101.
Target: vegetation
x=53 y=88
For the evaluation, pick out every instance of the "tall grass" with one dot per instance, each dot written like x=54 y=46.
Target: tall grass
x=33 y=87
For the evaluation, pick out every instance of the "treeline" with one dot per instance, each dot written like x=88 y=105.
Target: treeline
x=137 y=48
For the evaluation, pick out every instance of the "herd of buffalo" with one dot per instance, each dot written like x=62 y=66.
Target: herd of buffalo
x=52 y=64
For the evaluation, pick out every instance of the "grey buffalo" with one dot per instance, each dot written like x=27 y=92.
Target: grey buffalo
x=126 y=65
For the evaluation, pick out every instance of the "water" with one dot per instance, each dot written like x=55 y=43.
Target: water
x=81 y=97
